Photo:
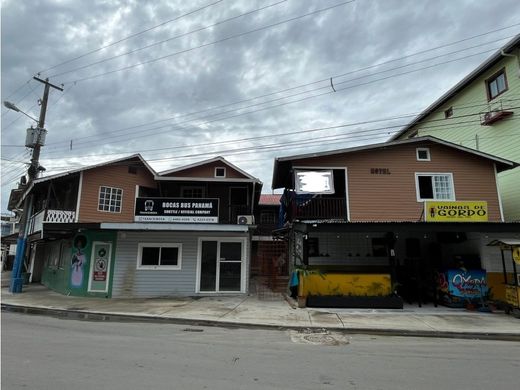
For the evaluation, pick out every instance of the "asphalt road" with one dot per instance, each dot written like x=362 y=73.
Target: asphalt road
x=48 y=353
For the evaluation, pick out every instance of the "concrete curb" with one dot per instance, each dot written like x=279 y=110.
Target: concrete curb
x=85 y=315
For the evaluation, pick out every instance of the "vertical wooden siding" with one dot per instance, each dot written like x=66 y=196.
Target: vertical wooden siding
x=111 y=176
x=380 y=197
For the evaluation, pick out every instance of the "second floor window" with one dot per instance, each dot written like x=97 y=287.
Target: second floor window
x=438 y=186
x=110 y=199
x=192 y=192
x=496 y=84
x=267 y=218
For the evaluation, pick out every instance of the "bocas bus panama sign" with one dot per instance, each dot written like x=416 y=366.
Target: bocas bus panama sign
x=178 y=210
x=460 y=211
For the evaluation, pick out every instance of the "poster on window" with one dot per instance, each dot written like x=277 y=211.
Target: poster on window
x=179 y=210
x=100 y=266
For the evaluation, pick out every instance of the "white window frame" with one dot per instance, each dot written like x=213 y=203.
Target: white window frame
x=427 y=150
x=159 y=267
x=110 y=200
x=245 y=261
x=432 y=174
x=224 y=175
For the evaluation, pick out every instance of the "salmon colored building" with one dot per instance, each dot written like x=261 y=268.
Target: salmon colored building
x=392 y=217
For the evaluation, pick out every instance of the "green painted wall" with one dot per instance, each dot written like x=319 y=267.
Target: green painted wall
x=71 y=276
x=500 y=139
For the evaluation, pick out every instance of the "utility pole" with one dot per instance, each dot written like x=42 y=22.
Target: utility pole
x=34 y=169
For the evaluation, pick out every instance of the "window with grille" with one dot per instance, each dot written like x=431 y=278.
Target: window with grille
x=267 y=218
x=438 y=186
x=110 y=199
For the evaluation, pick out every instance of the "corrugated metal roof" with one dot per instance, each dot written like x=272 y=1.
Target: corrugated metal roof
x=270 y=199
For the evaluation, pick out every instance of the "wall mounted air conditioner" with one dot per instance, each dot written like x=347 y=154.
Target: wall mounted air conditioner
x=245 y=219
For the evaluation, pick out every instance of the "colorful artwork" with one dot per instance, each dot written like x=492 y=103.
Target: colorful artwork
x=467 y=284
x=78 y=262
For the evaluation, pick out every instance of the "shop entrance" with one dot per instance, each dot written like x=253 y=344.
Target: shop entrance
x=221 y=266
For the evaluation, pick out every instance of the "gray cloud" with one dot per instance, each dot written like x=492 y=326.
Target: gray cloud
x=39 y=34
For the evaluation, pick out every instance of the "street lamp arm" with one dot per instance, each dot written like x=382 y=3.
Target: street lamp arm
x=13 y=107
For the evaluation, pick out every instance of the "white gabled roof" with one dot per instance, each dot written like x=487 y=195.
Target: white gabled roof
x=74 y=171
x=57 y=175
x=161 y=175
x=503 y=164
x=396 y=143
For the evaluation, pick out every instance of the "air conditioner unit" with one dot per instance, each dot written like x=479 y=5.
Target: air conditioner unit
x=245 y=219
x=493 y=116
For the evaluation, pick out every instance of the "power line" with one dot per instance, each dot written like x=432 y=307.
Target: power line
x=303 y=85
x=322 y=80
x=210 y=43
x=130 y=36
x=300 y=144
x=296 y=132
x=166 y=40
x=272 y=100
x=146 y=132
x=31 y=90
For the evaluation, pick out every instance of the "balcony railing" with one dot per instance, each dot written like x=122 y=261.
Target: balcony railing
x=321 y=208
x=50 y=216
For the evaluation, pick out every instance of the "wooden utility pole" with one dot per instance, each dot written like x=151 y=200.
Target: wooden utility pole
x=34 y=168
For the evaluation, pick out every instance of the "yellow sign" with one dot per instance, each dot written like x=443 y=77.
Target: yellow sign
x=455 y=211
x=512 y=295
x=516 y=254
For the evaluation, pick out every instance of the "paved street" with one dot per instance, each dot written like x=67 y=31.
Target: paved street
x=47 y=353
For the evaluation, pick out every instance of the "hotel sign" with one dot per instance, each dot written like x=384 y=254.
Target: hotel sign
x=456 y=211
x=177 y=210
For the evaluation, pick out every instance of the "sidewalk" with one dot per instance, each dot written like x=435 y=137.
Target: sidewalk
x=250 y=311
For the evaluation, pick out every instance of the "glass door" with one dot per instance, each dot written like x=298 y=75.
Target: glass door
x=221 y=266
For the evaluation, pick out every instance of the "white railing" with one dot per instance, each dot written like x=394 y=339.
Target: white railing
x=50 y=216
x=60 y=216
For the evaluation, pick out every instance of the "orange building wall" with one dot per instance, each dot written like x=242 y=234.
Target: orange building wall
x=111 y=176
x=379 y=197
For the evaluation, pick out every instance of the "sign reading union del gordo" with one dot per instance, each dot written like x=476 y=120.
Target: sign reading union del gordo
x=456 y=211
x=180 y=210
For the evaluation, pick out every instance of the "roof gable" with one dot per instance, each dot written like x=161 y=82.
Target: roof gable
x=137 y=157
x=206 y=169
x=125 y=160
x=282 y=164
x=497 y=56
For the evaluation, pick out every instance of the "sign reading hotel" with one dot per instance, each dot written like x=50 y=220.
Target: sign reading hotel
x=179 y=210
x=455 y=211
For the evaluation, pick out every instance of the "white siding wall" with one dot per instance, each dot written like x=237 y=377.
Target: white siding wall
x=131 y=282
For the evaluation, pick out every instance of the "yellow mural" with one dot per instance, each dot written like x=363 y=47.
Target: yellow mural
x=345 y=284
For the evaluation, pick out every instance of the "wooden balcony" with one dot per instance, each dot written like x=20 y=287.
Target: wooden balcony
x=50 y=216
x=321 y=208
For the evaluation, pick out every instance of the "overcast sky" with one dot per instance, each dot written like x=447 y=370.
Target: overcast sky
x=183 y=81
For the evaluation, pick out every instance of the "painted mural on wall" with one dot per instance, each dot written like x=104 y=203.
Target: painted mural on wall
x=78 y=262
x=464 y=284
